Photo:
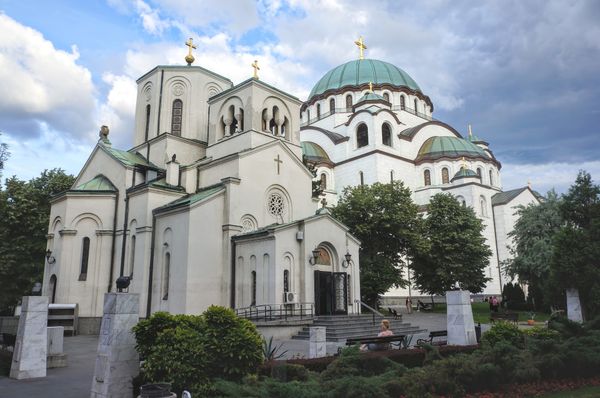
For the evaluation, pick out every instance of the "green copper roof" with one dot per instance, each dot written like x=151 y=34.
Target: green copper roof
x=503 y=198
x=314 y=152
x=371 y=97
x=98 y=183
x=357 y=72
x=128 y=158
x=192 y=198
x=464 y=173
x=451 y=147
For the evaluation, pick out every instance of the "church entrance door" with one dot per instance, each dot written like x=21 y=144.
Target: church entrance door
x=331 y=296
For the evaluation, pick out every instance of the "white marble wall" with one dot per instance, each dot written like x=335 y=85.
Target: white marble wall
x=117 y=362
x=574 y=312
x=318 y=344
x=29 y=356
x=459 y=315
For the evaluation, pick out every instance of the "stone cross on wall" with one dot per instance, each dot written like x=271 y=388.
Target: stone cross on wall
x=279 y=162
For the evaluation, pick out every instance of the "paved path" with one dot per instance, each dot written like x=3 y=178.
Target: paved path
x=75 y=380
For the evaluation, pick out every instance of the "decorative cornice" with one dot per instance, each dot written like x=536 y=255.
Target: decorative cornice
x=104 y=232
x=373 y=113
x=143 y=229
x=375 y=151
x=64 y=232
x=336 y=138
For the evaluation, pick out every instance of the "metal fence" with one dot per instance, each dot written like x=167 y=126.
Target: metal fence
x=274 y=312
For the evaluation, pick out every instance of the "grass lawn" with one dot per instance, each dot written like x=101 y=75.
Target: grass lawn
x=584 y=392
x=481 y=313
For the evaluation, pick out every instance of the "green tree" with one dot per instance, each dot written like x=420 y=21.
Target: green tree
x=4 y=154
x=387 y=222
x=24 y=211
x=576 y=256
x=533 y=243
x=458 y=252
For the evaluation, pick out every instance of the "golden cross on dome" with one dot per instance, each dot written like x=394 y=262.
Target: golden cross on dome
x=361 y=46
x=371 y=86
x=470 y=132
x=256 y=68
x=190 y=58
x=464 y=164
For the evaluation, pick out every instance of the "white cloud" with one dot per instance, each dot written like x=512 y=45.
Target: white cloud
x=151 y=20
x=41 y=84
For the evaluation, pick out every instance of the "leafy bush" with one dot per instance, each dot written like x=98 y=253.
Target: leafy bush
x=503 y=331
x=190 y=351
x=289 y=372
x=566 y=327
x=540 y=333
x=352 y=362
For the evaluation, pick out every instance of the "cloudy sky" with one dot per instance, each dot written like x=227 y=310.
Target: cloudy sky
x=525 y=74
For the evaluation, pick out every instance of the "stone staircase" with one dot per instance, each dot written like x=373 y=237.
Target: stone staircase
x=342 y=327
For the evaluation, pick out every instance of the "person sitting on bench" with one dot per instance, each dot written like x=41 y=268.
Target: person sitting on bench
x=385 y=331
x=422 y=306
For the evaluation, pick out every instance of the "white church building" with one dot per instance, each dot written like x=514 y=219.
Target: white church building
x=213 y=204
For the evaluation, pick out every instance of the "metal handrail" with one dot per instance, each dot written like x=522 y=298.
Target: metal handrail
x=270 y=312
x=373 y=310
x=348 y=110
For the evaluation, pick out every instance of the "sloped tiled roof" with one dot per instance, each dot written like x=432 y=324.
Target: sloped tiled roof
x=128 y=158
x=98 y=183
x=192 y=198
x=503 y=198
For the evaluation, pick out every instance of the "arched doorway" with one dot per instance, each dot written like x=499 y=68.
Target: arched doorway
x=331 y=287
x=52 y=289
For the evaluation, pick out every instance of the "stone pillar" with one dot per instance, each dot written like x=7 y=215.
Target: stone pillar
x=574 y=312
x=459 y=317
x=29 y=355
x=318 y=342
x=56 y=357
x=117 y=362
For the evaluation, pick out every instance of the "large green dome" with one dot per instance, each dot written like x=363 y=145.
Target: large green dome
x=449 y=147
x=363 y=71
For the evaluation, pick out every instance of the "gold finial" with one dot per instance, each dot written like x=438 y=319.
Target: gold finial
x=463 y=163
x=529 y=183
x=256 y=68
x=371 y=86
x=190 y=58
x=361 y=46
x=470 y=132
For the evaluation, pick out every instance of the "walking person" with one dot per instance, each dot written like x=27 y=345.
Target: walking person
x=408 y=305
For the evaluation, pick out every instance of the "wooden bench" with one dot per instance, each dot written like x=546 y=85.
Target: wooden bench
x=383 y=342
x=422 y=306
x=394 y=313
x=433 y=335
x=504 y=316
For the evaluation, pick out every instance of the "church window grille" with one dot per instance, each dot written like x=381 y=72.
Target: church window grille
x=166 y=276
x=362 y=178
x=177 y=117
x=248 y=224
x=348 y=103
x=276 y=204
x=323 y=181
x=253 y=281
x=332 y=105
x=131 y=255
x=416 y=107
x=386 y=97
x=85 y=255
x=427 y=177
x=386 y=134
x=362 y=135
x=318 y=111
x=286 y=281
x=147 y=129
x=491 y=178
x=402 y=102
x=445 y=176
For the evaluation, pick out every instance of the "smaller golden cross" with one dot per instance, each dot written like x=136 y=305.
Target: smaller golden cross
x=371 y=86
x=361 y=46
x=470 y=132
x=464 y=164
x=529 y=183
x=190 y=58
x=256 y=68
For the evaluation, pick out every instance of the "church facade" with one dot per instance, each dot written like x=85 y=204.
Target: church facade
x=214 y=203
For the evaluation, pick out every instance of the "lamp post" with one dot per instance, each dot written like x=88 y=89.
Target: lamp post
x=348 y=260
x=315 y=256
x=49 y=258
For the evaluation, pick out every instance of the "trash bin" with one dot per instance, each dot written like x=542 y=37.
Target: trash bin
x=478 y=332
x=159 y=390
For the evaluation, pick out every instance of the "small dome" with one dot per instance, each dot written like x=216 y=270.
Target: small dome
x=314 y=153
x=371 y=97
x=449 y=147
x=465 y=173
x=363 y=71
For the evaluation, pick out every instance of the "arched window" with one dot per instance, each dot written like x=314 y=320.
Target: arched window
x=416 y=107
x=491 y=178
x=427 y=177
x=479 y=172
x=308 y=115
x=483 y=206
x=386 y=134
x=85 y=255
x=402 y=102
x=324 y=257
x=176 y=117
x=362 y=178
x=391 y=176
x=323 y=181
x=348 y=102
x=286 y=281
x=445 y=176
x=362 y=135
x=332 y=105
x=386 y=97
x=253 y=292
x=131 y=255
x=166 y=276
x=147 y=122
x=318 y=111
x=52 y=289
